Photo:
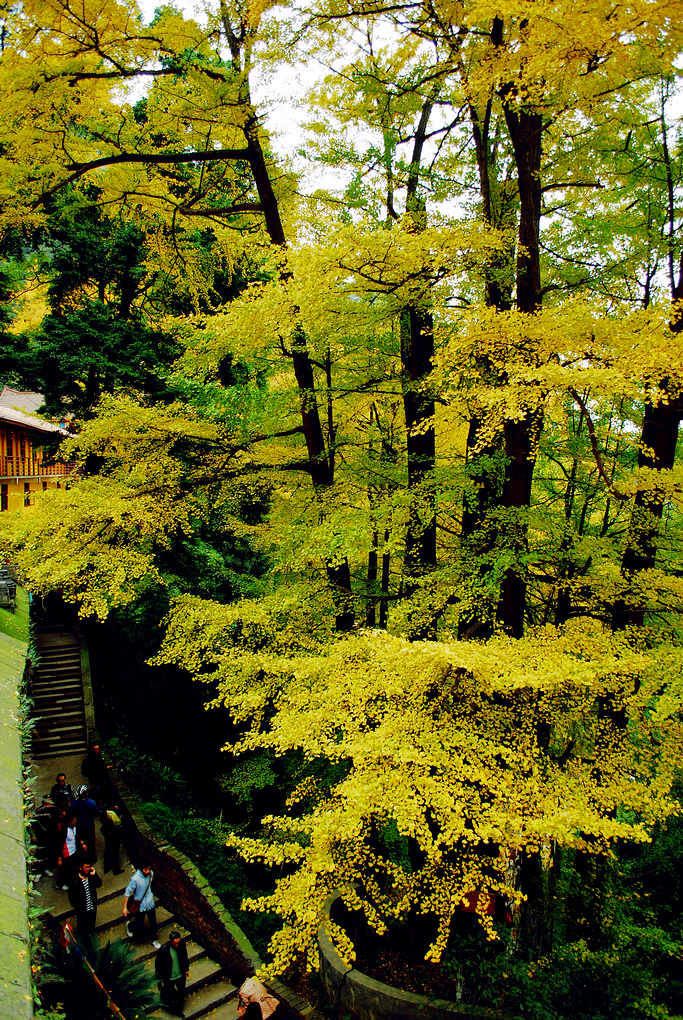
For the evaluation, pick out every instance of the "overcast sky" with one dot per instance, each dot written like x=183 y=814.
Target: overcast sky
x=278 y=100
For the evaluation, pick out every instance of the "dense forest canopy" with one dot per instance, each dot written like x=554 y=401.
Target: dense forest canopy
x=439 y=403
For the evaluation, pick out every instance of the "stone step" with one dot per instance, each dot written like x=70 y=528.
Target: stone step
x=49 y=702
x=47 y=643
x=56 y=749
x=68 y=689
x=45 y=655
x=46 y=723
x=59 y=752
x=204 y=973
x=49 y=662
x=144 y=952
x=63 y=686
x=63 y=708
x=108 y=898
x=66 y=733
x=60 y=652
x=208 y=999
x=62 y=743
x=109 y=917
x=66 y=677
x=54 y=651
x=58 y=707
x=56 y=672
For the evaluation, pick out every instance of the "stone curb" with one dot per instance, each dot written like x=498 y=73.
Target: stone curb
x=88 y=695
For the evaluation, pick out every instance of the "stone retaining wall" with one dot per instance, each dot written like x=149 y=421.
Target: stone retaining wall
x=355 y=994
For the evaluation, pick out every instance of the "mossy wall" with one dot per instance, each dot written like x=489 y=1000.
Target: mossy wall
x=16 y=998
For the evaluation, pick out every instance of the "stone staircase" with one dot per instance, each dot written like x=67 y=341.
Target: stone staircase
x=57 y=693
x=59 y=743
x=208 y=989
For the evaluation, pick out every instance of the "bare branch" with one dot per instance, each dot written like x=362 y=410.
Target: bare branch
x=596 y=449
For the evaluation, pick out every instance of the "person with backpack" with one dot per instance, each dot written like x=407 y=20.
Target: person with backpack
x=67 y=849
x=85 y=810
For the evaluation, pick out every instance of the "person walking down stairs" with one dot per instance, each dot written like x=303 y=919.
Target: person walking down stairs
x=83 y=898
x=139 y=905
x=172 y=969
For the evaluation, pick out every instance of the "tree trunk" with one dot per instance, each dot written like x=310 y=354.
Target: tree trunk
x=657 y=452
x=384 y=603
x=417 y=350
x=320 y=459
x=521 y=436
x=483 y=461
x=371 y=609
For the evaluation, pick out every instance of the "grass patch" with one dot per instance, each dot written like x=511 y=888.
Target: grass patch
x=15 y=624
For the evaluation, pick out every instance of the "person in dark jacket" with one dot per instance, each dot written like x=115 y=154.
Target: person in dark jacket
x=172 y=969
x=85 y=810
x=61 y=792
x=96 y=771
x=83 y=898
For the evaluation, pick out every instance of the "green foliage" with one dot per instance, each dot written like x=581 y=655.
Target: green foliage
x=150 y=776
x=203 y=840
x=66 y=983
x=68 y=361
x=617 y=942
x=248 y=775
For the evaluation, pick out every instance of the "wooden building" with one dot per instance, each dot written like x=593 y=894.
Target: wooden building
x=25 y=468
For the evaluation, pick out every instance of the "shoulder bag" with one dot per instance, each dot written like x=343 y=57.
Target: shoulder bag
x=133 y=905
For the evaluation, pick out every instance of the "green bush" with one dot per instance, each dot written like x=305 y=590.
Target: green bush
x=66 y=984
x=148 y=775
x=203 y=841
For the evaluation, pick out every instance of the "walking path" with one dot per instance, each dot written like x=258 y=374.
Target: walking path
x=210 y=993
x=59 y=745
x=64 y=722
x=16 y=996
x=57 y=691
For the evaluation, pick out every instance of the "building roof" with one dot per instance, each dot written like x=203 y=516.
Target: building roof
x=18 y=407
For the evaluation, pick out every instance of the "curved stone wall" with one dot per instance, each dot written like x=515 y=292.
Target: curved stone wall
x=353 y=993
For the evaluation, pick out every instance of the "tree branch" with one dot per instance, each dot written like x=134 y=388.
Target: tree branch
x=151 y=158
x=595 y=448
x=227 y=210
